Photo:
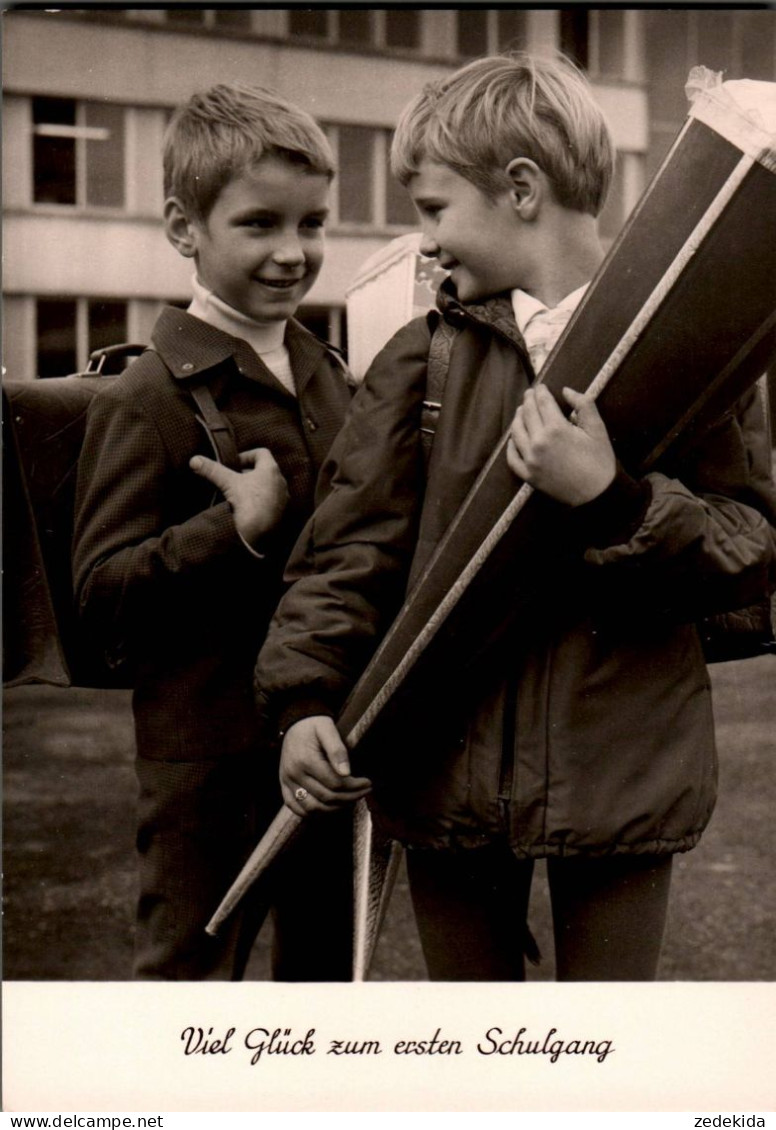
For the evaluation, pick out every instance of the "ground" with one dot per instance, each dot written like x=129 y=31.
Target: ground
x=68 y=847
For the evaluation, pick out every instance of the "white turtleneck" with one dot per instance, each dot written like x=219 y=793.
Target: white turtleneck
x=265 y=338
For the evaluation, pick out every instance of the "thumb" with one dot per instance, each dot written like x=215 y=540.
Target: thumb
x=208 y=469
x=585 y=413
x=334 y=748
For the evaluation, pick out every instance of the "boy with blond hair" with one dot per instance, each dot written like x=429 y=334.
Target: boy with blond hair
x=585 y=738
x=180 y=581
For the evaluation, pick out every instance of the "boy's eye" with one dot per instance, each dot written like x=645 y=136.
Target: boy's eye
x=262 y=222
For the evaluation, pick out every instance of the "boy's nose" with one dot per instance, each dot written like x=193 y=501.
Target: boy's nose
x=289 y=251
x=428 y=246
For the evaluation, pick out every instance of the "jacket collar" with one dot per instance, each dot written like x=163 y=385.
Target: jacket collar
x=190 y=348
x=495 y=313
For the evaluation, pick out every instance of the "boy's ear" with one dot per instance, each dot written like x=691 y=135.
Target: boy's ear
x=528 y=186
x=179 y=229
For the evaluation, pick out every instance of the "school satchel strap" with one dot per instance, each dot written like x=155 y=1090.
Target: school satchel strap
x=440 y=347
x=217 y=427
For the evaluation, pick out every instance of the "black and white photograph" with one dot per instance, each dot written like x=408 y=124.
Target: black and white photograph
x=389 y=557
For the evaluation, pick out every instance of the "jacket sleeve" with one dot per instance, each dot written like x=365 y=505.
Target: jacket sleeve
x=348 y=572
x=698 y=536
x=138 y=552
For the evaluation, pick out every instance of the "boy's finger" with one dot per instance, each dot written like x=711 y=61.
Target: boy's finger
x=586 y=411
x=529 y=412
x=249 y=459
x=208 y=469
x=335 y=751
x=355 y=785
x=547 y=406
x=514 y=462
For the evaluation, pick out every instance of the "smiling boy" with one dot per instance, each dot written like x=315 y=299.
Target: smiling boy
x=180 y=581
x=584 y=736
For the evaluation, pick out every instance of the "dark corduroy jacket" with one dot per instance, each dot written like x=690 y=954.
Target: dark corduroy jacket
x=161 y=577
x=588 y=729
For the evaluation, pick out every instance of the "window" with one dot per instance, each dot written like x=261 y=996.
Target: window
x=472 y=32
x=356 y=173
x=511 y=29
x=758 y=48
x=399 y=208
x=306 y=22
x=69 y=329
x=574 y=34
x=356 y=26
x=188 y=17
x=56 y=333
x=327 y=322
x=78 y=153
x=237 y=19
x=365 y=192
x=107 y=325
x=627 y=187
x=234 y=19
x=402 y=28
x=483 y=31
x=612 y=215
x=607 y=43
x=397 y=29
x=53 y=151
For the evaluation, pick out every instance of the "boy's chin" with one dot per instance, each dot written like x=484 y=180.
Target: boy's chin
x=470 y=290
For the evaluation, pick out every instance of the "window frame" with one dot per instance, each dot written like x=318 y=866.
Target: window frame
x=492 y=31
x=82 y=345
x=81 y=133
x=377 y=41
x=380 y=170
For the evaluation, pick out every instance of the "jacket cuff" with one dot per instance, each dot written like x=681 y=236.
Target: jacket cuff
x=615 y=516
x=302 y=708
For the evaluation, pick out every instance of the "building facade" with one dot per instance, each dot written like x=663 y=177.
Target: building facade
x=88 y=94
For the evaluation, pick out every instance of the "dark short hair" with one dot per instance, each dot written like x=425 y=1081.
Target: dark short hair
x=222 y=131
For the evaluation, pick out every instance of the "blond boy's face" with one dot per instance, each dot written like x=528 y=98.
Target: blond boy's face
x=261 y=247
x=477 y=240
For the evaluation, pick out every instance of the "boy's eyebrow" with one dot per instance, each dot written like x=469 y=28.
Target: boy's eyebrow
x=273 y=213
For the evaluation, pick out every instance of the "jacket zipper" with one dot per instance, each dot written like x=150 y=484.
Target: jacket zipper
x=506 y=777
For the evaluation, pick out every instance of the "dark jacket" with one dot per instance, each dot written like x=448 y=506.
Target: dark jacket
x=161 y=576
x=588 y=730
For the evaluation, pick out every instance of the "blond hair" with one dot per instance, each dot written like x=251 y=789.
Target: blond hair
x=504 y=106
x=222 y=131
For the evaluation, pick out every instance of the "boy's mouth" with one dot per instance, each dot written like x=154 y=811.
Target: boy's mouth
x=280 y=284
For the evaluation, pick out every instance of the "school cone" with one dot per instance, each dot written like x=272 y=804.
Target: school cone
x=376 y=864
x=279 y=834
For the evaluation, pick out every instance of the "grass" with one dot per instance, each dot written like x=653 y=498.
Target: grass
x=69 y=829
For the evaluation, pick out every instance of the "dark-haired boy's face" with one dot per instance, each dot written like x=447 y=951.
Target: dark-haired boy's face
x=475 y=239
x=261 y=248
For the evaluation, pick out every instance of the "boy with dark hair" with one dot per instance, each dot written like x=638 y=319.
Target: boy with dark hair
x=587 y=737
x=181 y=583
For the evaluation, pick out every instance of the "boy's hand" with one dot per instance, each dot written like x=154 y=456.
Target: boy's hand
x=571 y=462
x=315 y=769
x=257 y=495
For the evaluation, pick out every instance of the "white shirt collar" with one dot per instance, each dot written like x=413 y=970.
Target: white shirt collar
x=525 y=305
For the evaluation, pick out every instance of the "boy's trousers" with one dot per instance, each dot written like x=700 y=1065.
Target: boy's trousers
x=471 y=907
x=198 y=822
